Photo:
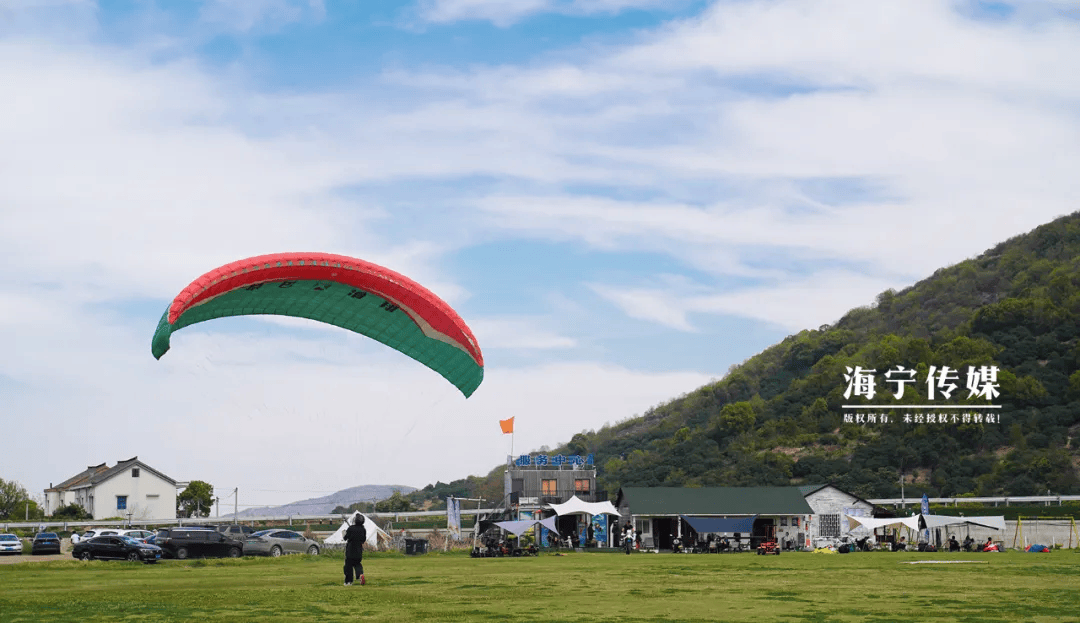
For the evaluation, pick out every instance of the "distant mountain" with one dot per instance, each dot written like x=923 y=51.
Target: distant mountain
x=325 y=504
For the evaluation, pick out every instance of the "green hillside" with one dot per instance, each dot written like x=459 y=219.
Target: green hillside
x=777 y=418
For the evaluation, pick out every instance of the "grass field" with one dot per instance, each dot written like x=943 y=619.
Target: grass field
x=577 y=587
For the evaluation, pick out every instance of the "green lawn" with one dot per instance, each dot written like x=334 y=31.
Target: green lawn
x=579 y=587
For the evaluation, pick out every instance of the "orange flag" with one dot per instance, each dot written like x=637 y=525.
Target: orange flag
x=507 y=425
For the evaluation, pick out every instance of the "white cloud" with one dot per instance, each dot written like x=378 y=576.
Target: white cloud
x=322 y=413
x=647 y=304
x=793 y=304
x=247 y=15
x=518 y=333
x=504 y=13
x=737 y=144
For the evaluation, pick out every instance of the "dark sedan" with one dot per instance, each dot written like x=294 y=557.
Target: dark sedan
x=116 y=548
x=45 y=543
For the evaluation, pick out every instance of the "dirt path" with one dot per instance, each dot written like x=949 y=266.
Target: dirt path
x=11 y=560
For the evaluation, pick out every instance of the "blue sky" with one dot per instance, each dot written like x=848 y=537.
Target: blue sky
x=623 y=198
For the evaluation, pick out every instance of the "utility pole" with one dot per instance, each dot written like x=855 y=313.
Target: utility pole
x=217 y=505
x=236 y=505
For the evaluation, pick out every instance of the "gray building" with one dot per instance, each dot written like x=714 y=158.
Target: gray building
x=534 y=486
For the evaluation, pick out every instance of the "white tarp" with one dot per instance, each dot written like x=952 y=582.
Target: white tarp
x=989 y=521
x=873 y=523
x=373 y=533
x=576 y=505
x=517 y=527
x=521 y=526
x=925 y=522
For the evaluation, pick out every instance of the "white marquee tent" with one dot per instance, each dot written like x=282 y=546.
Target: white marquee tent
x=576 y=505
x=374 y=533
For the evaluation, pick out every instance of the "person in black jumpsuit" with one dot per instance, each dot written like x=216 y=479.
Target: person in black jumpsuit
x=355 y=536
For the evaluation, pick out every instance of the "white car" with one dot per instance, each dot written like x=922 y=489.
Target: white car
x=93 y=532
x=10 y=544
x=138 y=535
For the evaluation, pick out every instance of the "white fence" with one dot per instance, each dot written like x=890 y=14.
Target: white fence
x=64 y=526
x=1045 y=500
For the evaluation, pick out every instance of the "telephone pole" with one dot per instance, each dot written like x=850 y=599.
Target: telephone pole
x=236 y=505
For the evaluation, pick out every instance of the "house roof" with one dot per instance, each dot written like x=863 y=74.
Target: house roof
x=809 y=490
x=714 y=500
x=81 y=478
x=100 y=473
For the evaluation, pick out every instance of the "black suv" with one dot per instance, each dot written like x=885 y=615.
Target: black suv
x=197 y=543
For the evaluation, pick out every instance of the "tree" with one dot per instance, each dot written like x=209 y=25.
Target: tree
x=363 y=507
x=396 y=503
x=737 y=417
x=196 y=499
x=13 y=497
x=73 y=512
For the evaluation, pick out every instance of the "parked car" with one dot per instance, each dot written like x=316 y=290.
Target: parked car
x=197 y=542
x=236 y=531
x=45 y=543
x=93 y=532
x=116 y=547
x=138 y=535
x=10 y=544
x=277 y=542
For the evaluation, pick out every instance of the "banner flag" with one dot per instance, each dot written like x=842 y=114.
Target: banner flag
x=507 y=425
x=453 y=518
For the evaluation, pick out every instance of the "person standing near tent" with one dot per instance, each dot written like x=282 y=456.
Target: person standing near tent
x=355 y=537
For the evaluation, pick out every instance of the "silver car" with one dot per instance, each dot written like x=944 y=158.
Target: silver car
x=278 y=542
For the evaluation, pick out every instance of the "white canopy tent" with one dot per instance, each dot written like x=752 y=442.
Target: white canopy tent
x=925 y=522
x=576 y=505
x=374 y=532
x=988 y=521
x=522 y=526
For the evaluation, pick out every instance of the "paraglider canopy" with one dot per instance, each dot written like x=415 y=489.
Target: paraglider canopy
x=342 y=291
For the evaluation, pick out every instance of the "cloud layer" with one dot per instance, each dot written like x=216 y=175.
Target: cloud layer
x=777 y=161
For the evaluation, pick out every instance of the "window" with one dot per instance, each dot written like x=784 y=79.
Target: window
x=121 y=502
x=581 y=485
x=134 y=472
x=830 y=525
x=549 y=487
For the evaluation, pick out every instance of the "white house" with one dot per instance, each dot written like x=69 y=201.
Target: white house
x=130 y=488
x=831 y=507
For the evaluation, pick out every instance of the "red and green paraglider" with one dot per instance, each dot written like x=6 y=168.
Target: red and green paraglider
x=342 y=291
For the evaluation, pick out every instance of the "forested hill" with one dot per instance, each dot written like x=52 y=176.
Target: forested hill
x=777 y=419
